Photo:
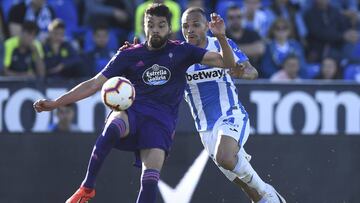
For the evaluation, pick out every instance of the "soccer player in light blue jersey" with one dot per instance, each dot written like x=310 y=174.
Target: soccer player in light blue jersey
x=220 y=118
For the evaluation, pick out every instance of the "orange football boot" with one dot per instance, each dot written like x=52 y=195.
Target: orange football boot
x=82 y=195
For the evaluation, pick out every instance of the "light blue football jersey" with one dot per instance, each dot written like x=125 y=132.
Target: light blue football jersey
x=210 y=91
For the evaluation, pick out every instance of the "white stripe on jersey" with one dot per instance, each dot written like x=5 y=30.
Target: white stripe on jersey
x=195 y=105
x=210 y=92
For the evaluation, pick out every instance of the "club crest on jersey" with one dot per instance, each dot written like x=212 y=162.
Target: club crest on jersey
x=156 y=75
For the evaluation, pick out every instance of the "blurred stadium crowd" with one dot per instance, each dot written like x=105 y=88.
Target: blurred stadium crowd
x=284 y=39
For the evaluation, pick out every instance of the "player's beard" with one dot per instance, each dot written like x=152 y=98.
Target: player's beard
x=158 y=41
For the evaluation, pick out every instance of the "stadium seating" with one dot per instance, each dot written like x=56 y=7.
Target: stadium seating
x=222 y=7
x=6 y=6
x=89 y=44
x=352 y=72
x=70 y=17
x=312 y=70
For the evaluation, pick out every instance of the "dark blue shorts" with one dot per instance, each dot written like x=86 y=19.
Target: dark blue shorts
x=145 y=133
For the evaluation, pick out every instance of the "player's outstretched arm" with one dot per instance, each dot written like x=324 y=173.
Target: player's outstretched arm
x=244 y=71
x=77 y=93
x=226 y=58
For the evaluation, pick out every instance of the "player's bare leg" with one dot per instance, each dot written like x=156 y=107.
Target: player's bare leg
x=226 y=152
x=120 y=115
x=116 y=127
x=152 y=160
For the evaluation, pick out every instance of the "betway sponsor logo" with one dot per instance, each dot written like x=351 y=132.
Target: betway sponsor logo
x=205 y=75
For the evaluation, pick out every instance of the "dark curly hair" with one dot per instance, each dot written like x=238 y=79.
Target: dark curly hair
x=159 y=10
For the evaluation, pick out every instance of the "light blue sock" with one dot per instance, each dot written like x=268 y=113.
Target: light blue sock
x=249 y=176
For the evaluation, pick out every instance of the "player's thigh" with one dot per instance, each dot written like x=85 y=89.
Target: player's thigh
x=152 y=158
x=212 y=142
x=226 y=146
x=119 y=115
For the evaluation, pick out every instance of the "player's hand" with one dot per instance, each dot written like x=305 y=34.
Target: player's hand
x=127 y=44
x=238 y=71
x=44 y=105
x=217 y=25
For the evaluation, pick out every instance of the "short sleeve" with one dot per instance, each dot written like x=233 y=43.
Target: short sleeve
x=116 y=66
x=240 y=57
x=195 y=54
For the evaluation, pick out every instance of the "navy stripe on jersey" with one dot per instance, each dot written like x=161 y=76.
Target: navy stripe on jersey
x=242 y=57
x=212 y=108
x=197 y=67
x=245 y=120
x=230 y=97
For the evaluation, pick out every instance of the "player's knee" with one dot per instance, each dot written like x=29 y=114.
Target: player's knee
x=152 y=158
x=115 y=128
x=110 y=131
x=226 y=160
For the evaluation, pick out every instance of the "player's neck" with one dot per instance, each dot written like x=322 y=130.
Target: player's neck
x=204 y=43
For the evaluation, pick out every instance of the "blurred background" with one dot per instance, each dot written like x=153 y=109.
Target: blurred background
x=304 y=108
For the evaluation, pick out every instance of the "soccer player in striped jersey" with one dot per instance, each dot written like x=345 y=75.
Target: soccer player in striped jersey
x=220 y=118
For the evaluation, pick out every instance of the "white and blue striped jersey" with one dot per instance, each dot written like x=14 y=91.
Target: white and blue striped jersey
x=210 y=91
